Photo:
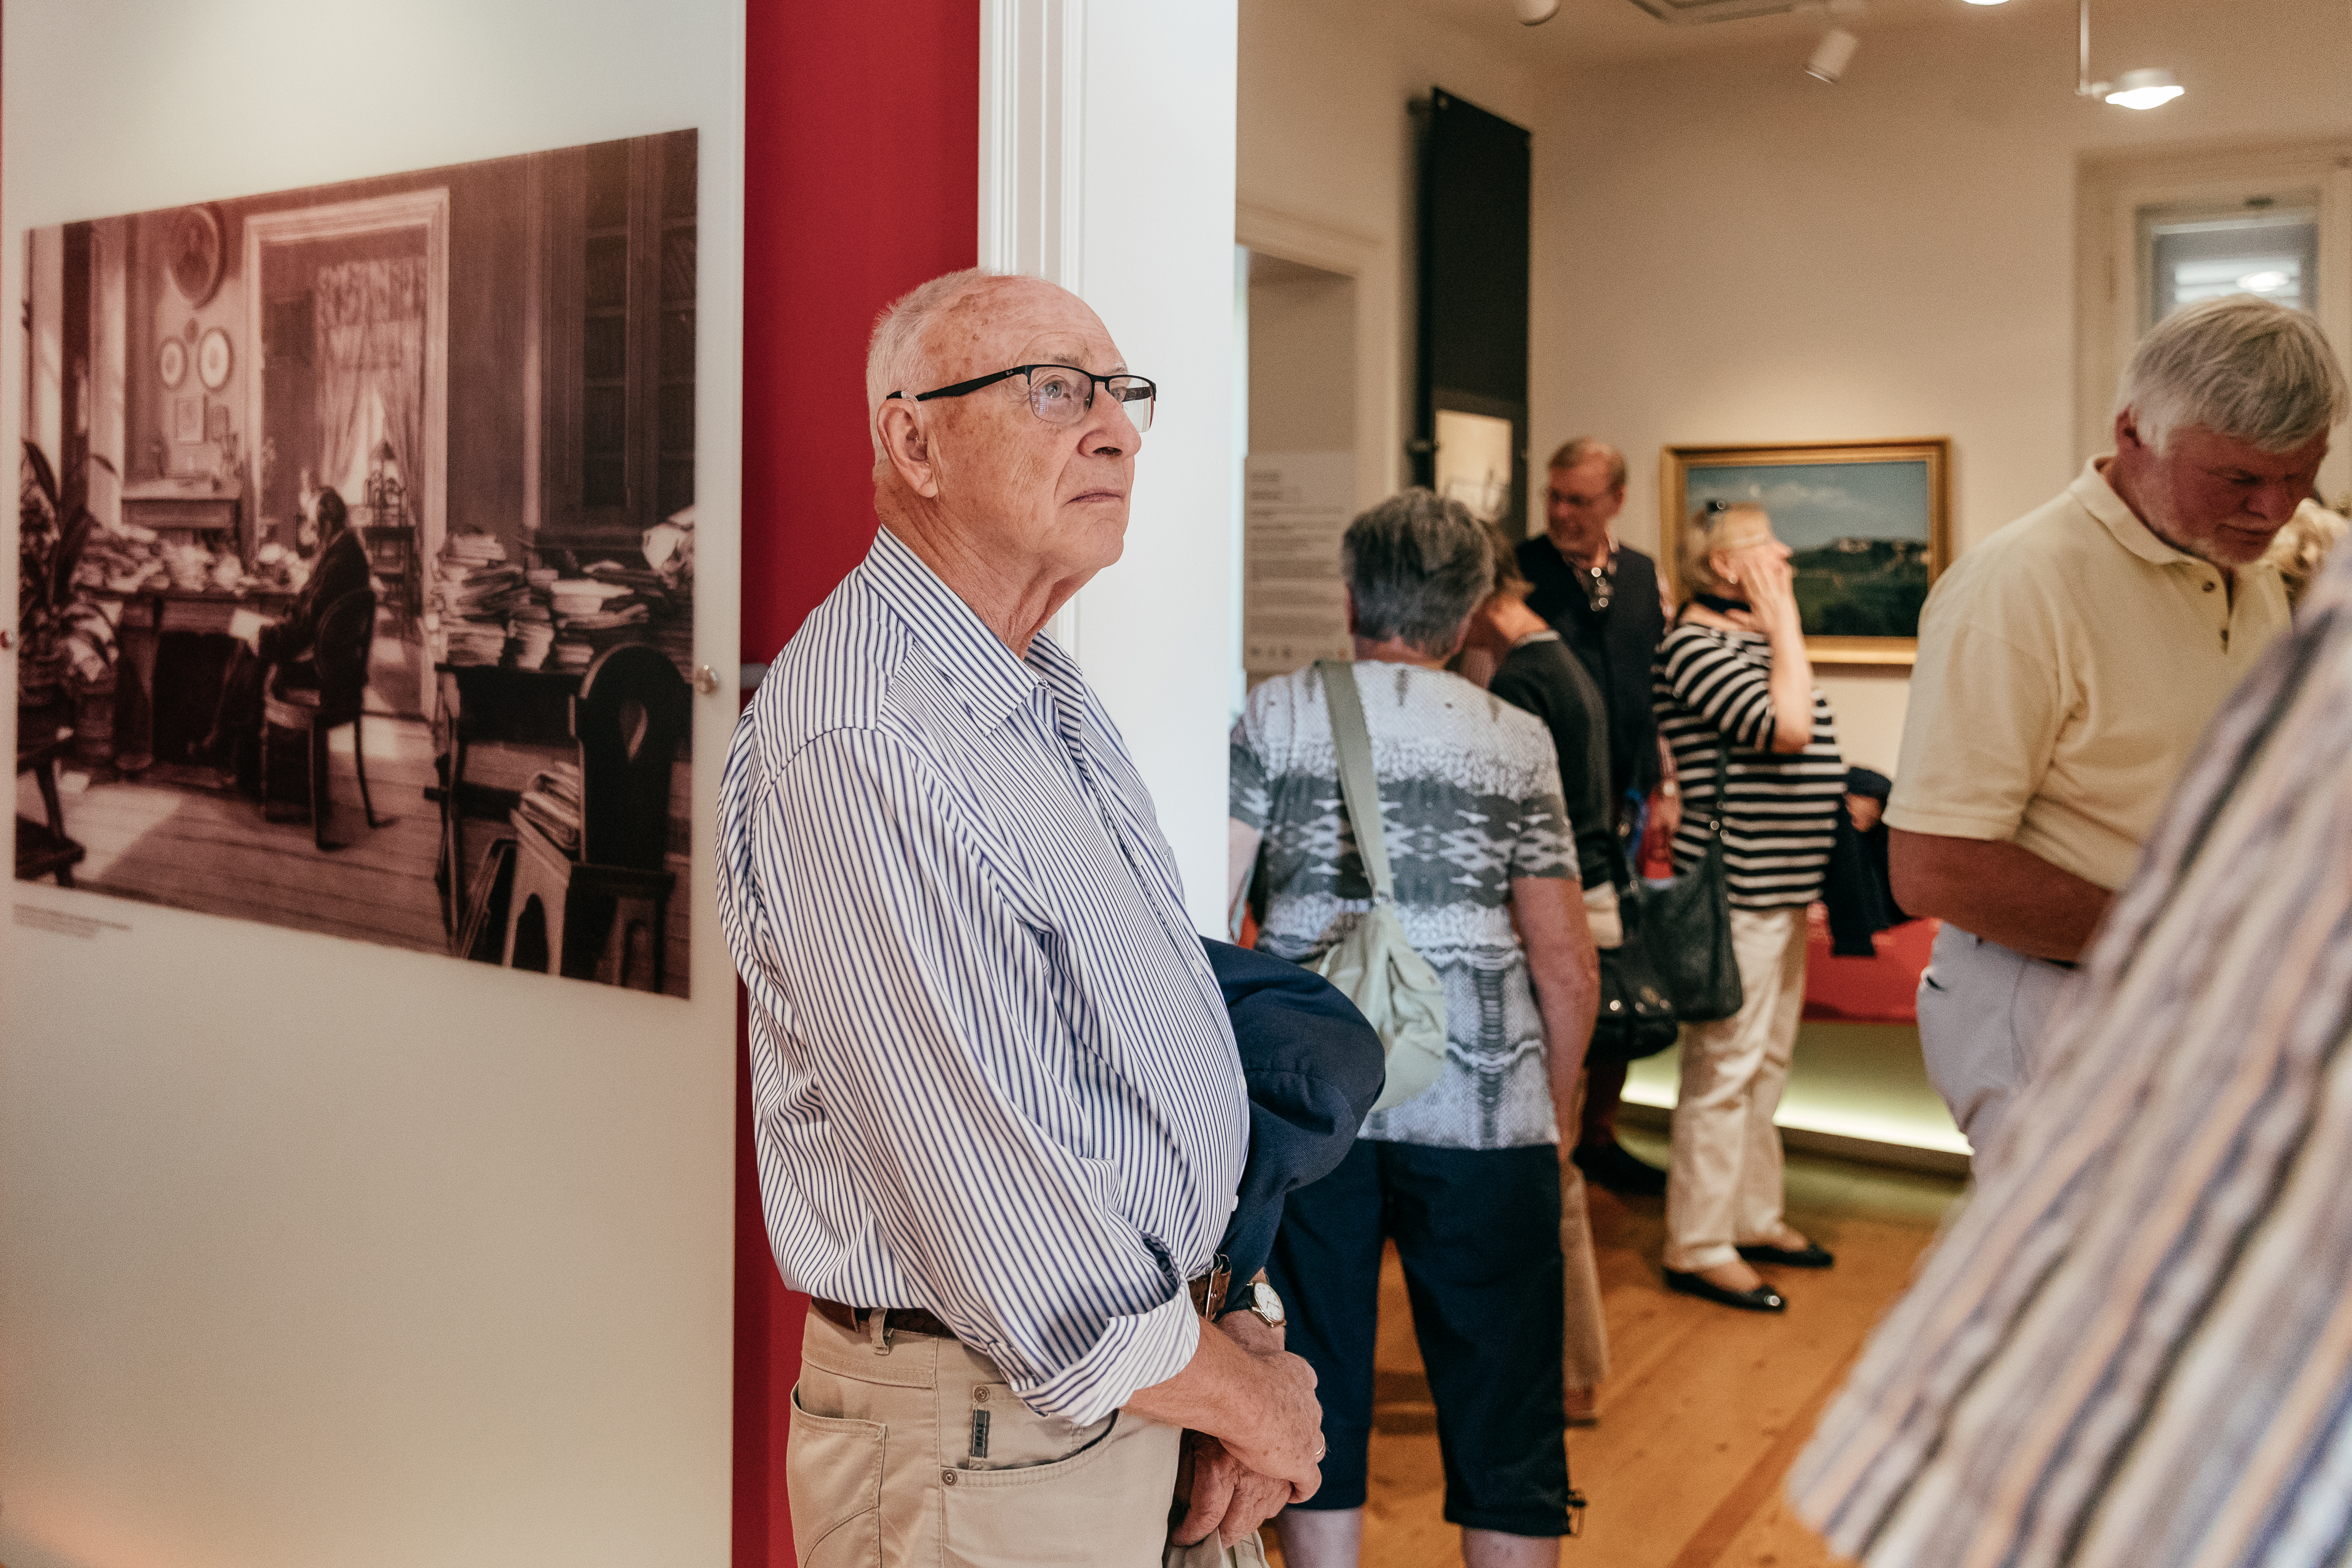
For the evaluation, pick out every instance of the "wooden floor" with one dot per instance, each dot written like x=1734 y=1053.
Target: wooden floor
x=169 y=837
x=1705 y=1408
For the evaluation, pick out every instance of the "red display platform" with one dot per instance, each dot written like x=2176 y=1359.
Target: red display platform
x=1883 y=990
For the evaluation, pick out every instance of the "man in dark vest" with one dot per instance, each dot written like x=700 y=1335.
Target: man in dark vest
x=1604 y=599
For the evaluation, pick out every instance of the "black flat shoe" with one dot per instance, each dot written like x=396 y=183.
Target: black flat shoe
x=1610 y=1166
x=1762 y=1299
x=1812 y=1255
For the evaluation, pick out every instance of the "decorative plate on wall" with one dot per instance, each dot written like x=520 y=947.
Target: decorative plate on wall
x=195 y=253
x=172 y=362
x=214 y=360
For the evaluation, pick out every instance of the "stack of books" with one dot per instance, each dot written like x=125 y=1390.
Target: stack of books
x=591 y=613
x=474 y=592
x=552 y=804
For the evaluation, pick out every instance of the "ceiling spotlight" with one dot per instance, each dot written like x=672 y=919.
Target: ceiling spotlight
x=1535 y=13
x=1831 y=54
x=2141 y=89
x=2149 y=87
x=1988 y=2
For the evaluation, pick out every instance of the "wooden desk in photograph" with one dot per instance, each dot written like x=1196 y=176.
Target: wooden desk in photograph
x=148 y=616
x=529 y=721
x=190 y=512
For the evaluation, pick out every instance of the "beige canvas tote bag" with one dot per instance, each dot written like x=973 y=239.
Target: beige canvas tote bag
x=1394 y=987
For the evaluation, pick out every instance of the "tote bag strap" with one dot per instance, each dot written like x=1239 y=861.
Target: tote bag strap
x=1359 y=785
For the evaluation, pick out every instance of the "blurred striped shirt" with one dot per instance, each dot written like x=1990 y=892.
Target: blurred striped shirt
x=2133 y=1349
x=992 y=1073
x=1711 y=687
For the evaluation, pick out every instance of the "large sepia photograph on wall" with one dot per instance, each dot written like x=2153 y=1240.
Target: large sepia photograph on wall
x=356 y=559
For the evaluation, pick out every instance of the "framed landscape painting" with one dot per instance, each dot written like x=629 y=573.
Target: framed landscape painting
x=1869 y=522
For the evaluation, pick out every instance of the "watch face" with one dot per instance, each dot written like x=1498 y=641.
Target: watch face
x=1266 y=1305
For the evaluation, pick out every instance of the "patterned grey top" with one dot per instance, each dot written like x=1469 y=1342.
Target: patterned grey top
x=1470 y=799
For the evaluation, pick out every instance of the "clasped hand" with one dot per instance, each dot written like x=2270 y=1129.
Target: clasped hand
x=1231 y=1485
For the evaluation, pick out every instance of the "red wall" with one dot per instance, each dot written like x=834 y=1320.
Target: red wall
x=861 y=180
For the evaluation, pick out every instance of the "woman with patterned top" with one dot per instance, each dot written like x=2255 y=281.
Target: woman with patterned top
x=1733 y=674
x=1465 y=1176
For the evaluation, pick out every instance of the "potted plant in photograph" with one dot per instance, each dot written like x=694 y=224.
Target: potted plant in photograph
x=66 y=642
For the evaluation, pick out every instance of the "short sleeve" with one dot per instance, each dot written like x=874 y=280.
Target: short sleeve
x=1545 y=842
x=1708 y=678
x=1248 y=799
x=1982 y=722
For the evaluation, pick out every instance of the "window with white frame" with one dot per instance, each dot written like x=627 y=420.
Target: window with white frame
x=2158 y=233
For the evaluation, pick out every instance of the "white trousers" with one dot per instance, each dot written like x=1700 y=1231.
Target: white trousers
x=1982 y=1008
x=1723 y=1182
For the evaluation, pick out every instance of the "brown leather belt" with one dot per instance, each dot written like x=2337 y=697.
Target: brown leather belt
x=1208 y=1295
x=895 y=1320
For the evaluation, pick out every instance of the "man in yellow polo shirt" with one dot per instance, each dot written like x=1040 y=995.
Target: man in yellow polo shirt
x=2068 y=664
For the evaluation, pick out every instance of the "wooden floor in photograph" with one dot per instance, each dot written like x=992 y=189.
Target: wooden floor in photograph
x=171 y=837
x=1704 y=1407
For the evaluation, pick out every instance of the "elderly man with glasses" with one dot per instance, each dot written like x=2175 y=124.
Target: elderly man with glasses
x=1000 y=1114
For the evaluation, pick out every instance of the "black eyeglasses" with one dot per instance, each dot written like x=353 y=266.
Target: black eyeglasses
x=1062 y=394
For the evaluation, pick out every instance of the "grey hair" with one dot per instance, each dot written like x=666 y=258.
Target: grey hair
x=1590 y=449
x=1418 y=565
x=2248 y=368
x=895 y=356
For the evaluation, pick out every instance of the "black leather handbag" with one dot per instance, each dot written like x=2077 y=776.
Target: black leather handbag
x=1687 y=926
x=1635 y=1020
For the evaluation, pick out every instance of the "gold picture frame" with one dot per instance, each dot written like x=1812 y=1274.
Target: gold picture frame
x=1884 y=505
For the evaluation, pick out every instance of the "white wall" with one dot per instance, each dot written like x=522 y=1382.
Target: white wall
x=313 y=1251
x=1727 y=251
x=1327 y=153
x=1155 y=632
x=1302 y=361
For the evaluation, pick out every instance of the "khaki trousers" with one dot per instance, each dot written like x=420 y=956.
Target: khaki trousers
x=917 y=1455
x=1584 y=1341
x=1723 y=1182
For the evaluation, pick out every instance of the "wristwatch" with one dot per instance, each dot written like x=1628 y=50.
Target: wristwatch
x=1258 y=1297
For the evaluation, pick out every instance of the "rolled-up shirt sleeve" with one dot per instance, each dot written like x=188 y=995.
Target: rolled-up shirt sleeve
x=920 y=993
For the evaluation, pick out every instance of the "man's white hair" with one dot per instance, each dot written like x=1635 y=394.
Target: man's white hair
x=2248 y=368
x=896 y=358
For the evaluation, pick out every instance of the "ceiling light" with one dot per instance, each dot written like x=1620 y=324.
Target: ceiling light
x=2149 y=87
x=2263 y=282
x=1534 y=13
x=2143 y=89
x=1831 y=54
x=1988 y=2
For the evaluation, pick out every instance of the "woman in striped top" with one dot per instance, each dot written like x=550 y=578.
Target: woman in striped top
x=1732 y=684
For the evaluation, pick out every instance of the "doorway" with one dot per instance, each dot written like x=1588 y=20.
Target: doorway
x=1299 y=476
x=351 y=303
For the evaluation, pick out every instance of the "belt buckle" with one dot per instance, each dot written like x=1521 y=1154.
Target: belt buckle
x=1221 y=1280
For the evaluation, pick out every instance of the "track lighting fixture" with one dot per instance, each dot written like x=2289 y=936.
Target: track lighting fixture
x=1535 y=13
x=2147 y=87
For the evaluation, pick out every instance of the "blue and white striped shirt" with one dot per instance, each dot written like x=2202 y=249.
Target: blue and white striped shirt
x=992 y=1073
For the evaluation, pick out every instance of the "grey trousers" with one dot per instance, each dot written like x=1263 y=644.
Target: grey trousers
x=1982 y=1008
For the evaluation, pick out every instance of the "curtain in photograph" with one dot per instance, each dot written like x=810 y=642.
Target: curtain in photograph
x=368 y=331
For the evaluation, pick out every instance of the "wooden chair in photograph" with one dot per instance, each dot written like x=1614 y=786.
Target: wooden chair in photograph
x=603 y=913
x=346 y=636
x=43 y=735
x=392 y=558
